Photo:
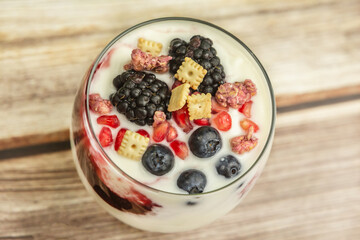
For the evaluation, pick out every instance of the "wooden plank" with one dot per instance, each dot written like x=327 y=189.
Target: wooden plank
x=309 y=190
x=46 y=48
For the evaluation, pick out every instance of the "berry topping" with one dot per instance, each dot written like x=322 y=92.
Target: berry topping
x=235 y=94
x=245 y=143
x=110 y=120
x=202 y=122
x=180 y=148
x=223 y=121
x=139 y=95
x=246 y=109
x=172 y=134
x=199 y=49
x=216 y=107
x=193 y=181
x=144 y=133
x=228 y=166
x=158 y=159
x=161 y=131
x=145 y=61
x=119 y=138
x=205 y=142
x=181 y=118
x=105 y=137
x=247 y=123
x=99 y=105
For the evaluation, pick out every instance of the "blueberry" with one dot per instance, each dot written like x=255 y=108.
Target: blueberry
x=205 y=142
x=192 y=180
x=158 y=159
x=228 y=166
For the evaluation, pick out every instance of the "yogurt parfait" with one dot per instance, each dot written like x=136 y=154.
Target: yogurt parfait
x=172 y=124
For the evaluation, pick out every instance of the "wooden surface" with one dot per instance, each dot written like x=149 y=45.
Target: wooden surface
x=310 y=188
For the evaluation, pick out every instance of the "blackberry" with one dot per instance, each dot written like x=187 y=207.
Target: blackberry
x=201 y=50
x=138 y=95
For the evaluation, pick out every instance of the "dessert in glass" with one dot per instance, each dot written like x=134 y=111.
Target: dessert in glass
x=172 y=124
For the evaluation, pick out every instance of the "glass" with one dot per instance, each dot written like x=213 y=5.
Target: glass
x=139 y=205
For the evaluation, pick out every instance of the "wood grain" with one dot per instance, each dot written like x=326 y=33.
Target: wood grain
x=310 y=189
x=309 y=48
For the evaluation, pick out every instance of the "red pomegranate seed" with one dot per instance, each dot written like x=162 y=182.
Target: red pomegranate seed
x=222 y=121
x=105 y=137
x=172 y=134
x=180 y=148
x=119 y=138
x=144 y=133
x=161 y=131
x=246 y=109
x=202 y=122
x=247 y=123
x=110 y=120
x=181 y=118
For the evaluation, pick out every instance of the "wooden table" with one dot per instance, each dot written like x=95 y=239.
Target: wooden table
x=310 y=188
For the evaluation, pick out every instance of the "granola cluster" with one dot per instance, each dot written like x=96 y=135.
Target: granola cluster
x=141 y=61
x=235 y=94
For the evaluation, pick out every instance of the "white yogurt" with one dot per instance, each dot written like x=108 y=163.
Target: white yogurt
x=238 y=66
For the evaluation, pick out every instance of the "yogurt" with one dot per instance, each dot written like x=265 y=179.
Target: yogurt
x=238 y=66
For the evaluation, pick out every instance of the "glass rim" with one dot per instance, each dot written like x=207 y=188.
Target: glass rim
x=113 y=41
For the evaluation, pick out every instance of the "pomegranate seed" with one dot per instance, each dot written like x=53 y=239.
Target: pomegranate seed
x=119 y=138
x=180 y=148
x=223 y=121
x=181 y=118
x=172 y=134
x=161 y=131
x=110 y=120
x=202 y=122
x=176 y=84
x=246 y=109
x=105 y=137
x=144 y=133
x=247 y=123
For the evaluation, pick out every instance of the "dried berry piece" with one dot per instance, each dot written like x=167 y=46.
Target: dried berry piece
x=98 y=104
x=235 y=94
x=244 y=143
x=145 y=61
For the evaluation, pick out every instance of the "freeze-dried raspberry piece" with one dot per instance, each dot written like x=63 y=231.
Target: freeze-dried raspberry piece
x=235 y=94
x=244 y=143
x=141 y=61
x=98 y=104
